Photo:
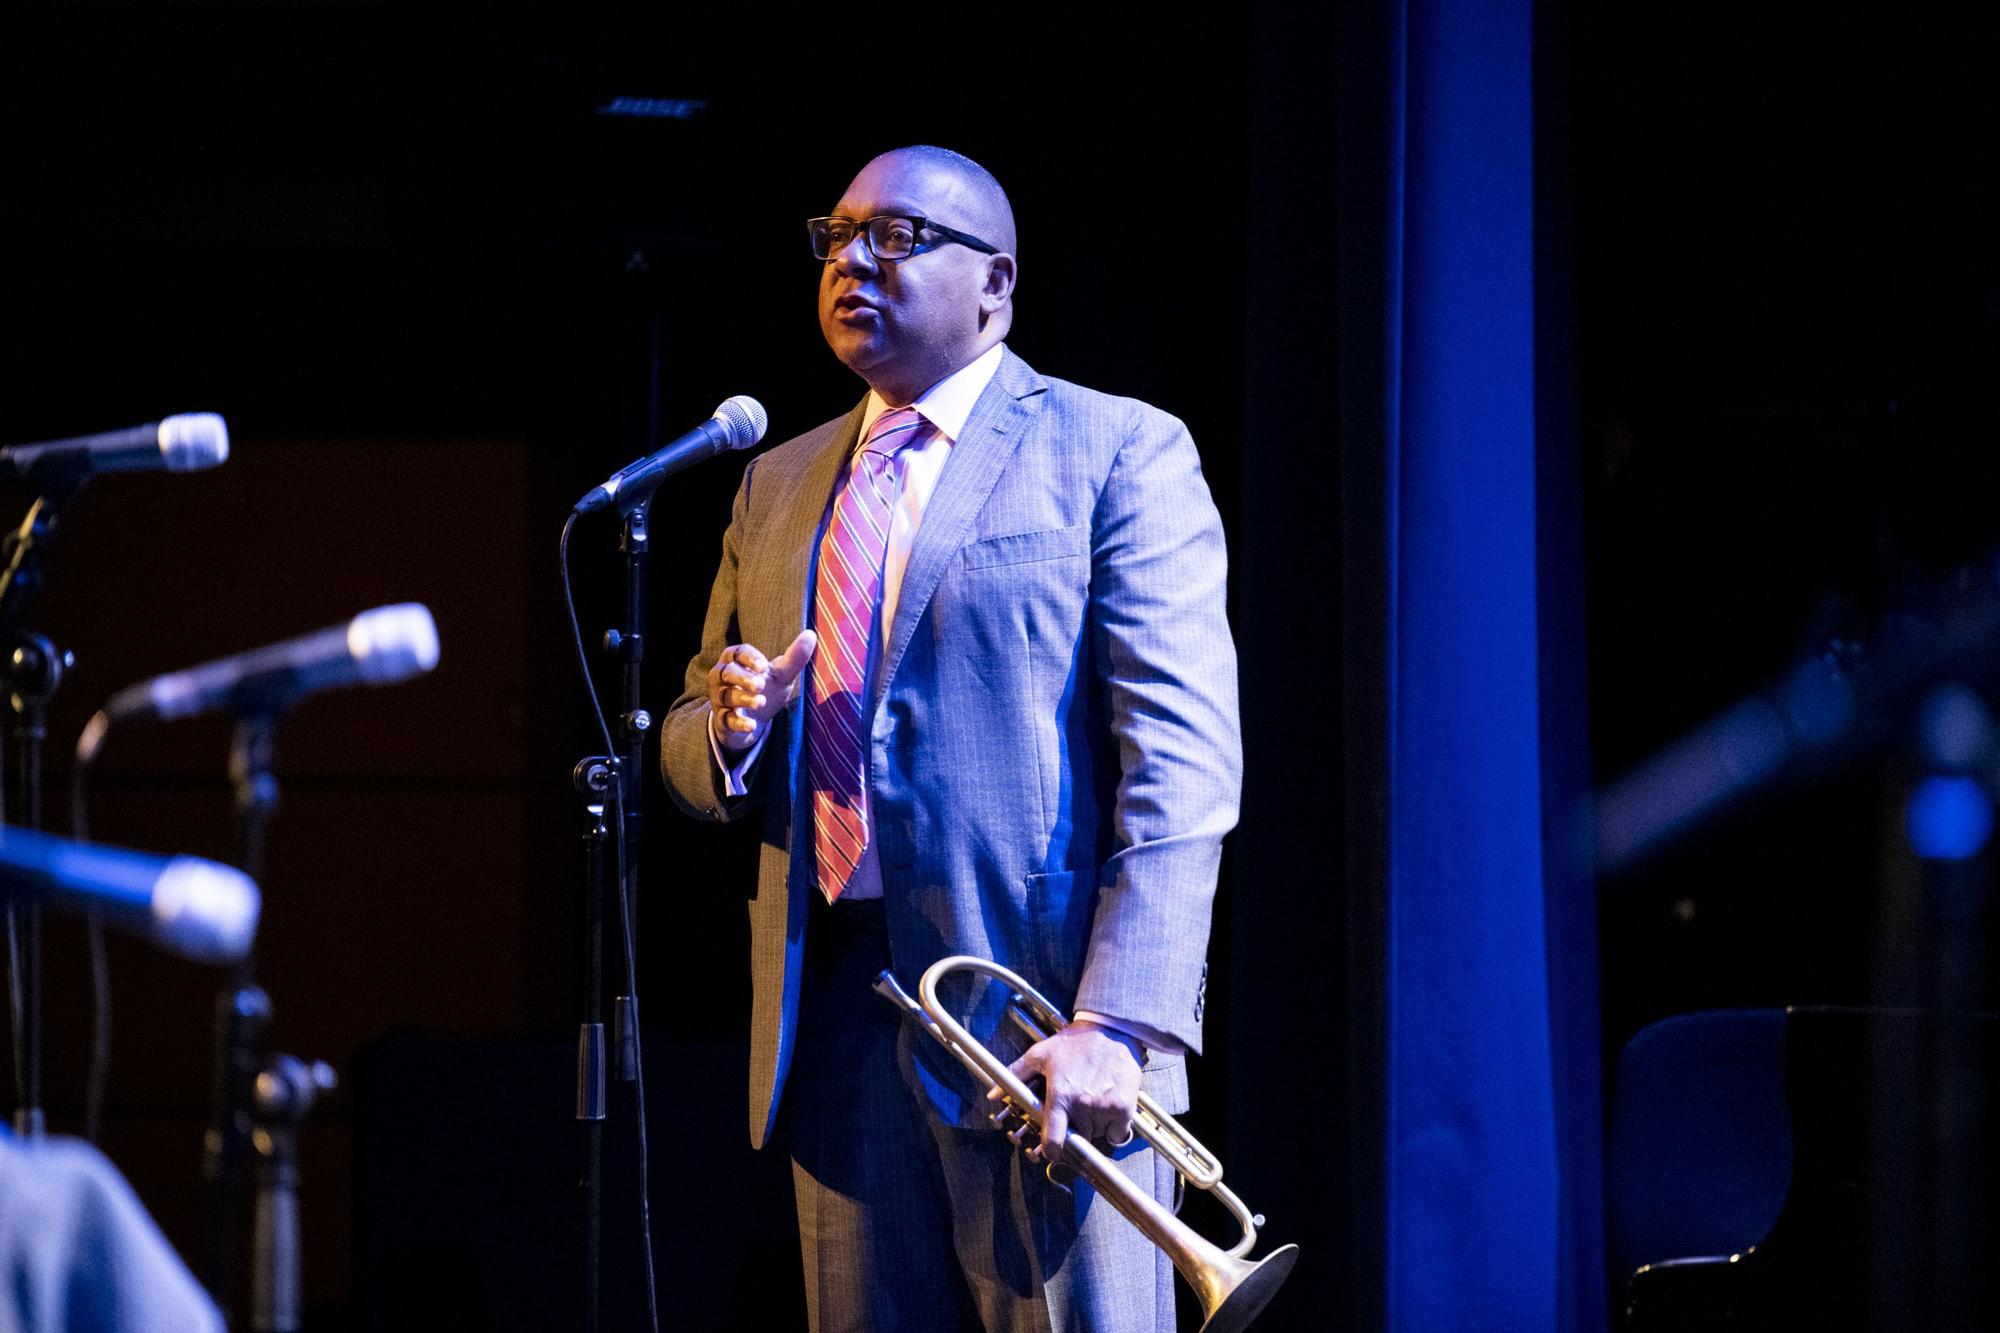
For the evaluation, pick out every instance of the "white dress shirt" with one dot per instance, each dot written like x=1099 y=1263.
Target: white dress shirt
x=946 y=405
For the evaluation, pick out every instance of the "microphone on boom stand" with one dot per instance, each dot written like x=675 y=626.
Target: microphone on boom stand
x=377 y=647
x=737 y=424
x=184 y=442
x=32 y=666
x=609 y=788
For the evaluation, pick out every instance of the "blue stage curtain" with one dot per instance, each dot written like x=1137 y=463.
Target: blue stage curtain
x=1491 y=1180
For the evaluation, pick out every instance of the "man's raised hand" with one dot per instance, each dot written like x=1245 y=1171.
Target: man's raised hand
x=746 y=689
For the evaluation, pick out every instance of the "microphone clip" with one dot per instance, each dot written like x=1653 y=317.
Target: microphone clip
x=595 y=775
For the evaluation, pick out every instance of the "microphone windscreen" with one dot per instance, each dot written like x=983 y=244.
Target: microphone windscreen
x=205 y=910
x=191 y=441
x=393 y=643
x=744 y=420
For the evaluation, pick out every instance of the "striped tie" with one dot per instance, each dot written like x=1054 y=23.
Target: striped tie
x=845 y=607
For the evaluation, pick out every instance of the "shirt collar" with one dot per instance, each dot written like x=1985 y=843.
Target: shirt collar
x=948 y=404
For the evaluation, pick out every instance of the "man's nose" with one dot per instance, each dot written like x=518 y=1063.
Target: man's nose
x=855 y=258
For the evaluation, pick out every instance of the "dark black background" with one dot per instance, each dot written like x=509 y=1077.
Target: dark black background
x=437 y=296
x=1789 y=333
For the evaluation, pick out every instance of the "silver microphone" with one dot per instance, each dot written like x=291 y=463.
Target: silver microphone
x=378 y=647
x=739 y=423
x=195 y=908
x=188 y=442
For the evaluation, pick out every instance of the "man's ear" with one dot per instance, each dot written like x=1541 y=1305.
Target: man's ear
x=999 y=288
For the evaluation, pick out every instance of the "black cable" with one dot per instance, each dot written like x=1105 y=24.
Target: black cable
x=16 y=1003
x=576 y=634
x=100 y=1029
x=638 y=1049
x=617 y=794
x=100 y=967
x=14 y=1008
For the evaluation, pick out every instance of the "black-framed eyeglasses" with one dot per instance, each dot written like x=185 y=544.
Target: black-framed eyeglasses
x=890 y=237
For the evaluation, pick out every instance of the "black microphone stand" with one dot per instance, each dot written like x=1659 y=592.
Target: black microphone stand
x=242 y=1012
x=592 y=778
x=32 y=672
x=285 y=1092
x=619 y=777
x=256 y=1107
x=632 y=725
x=34 y=669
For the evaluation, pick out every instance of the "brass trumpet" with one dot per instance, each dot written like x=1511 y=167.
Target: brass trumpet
x=1233 y=1289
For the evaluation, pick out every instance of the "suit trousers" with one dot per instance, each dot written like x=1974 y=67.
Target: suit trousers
x=906 y=1222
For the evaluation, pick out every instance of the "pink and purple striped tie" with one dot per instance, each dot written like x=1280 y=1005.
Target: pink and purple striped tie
x=845 y=605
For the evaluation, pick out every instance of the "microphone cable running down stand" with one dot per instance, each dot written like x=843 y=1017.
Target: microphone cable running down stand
x=242 y=1009
x=605 y=783
x=609 y=785
x=593 y=779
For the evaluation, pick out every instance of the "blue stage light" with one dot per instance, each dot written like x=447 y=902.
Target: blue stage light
x=1948 y=818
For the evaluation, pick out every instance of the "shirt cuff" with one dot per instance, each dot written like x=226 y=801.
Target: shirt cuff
x=1153 y=1040
x=735 y=765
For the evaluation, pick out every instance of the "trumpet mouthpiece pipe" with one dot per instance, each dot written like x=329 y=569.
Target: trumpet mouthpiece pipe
x=892 y=990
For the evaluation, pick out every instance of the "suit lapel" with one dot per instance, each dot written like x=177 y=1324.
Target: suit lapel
x=798 y=529
x=992 y=433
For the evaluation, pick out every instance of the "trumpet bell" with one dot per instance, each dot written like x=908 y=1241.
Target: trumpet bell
x=1249 y=1297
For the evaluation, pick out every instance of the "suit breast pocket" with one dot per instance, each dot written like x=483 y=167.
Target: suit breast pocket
x=1013 y=611
x=1024 y=548
x=1006 y=635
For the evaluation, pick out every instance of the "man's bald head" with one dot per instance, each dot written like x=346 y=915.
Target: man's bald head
x=984 y=209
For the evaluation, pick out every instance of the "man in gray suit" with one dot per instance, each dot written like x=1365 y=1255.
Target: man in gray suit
x=966 y=659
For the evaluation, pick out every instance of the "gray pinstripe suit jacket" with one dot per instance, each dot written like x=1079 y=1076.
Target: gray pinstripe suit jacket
x=1054 y=750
